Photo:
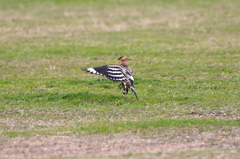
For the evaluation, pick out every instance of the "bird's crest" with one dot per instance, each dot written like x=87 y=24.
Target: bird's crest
x=122 y=58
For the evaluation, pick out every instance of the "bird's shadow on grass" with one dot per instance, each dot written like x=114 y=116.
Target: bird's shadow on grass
x=51 y=97
x=87 y=96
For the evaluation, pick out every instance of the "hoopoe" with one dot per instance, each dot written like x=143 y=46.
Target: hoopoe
x=117 y=73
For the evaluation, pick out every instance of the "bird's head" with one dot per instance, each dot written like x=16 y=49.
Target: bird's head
x=124 y=60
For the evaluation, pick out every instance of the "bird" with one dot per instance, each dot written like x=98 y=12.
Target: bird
x=117 y=73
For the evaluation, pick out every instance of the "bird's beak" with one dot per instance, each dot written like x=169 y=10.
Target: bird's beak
x=129 y=59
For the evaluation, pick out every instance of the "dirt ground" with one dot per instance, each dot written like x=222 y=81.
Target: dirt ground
x=222 y=144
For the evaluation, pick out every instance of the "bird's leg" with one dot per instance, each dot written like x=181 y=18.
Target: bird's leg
x=120 y=86
x=126 y=88
x=125 y=91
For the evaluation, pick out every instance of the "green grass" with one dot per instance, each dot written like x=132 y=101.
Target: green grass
x=135 y=127
x=185 y=59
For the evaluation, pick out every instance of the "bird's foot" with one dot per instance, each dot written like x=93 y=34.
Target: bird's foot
x=125 y=92
x=120 y=86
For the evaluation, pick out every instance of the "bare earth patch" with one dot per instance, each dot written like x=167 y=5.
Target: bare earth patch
x=163 y=144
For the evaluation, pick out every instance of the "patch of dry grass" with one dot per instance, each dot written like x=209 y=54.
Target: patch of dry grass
x=171 y=143
x=52 y=119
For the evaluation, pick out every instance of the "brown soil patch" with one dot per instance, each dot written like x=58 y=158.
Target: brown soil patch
x=156 y=145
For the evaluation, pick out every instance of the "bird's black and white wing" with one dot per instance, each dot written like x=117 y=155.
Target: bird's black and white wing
x=113 y=72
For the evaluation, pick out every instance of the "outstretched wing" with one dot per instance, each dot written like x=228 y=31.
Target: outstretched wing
x=112 y=72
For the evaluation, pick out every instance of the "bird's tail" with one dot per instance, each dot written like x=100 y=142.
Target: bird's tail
x=134 y=91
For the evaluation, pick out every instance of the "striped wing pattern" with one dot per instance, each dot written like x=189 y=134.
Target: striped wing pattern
x=116 y=73
x=112 y=72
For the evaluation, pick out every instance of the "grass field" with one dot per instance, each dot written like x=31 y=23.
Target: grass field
x=185 y=57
